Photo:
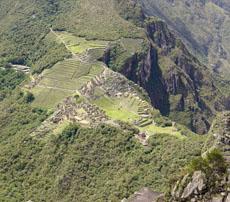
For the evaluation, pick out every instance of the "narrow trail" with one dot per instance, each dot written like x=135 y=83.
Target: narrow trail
x=53 y=32
x=83 y=58
x=75 y=56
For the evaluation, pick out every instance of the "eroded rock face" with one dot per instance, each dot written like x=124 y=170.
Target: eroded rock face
x=197 y=185
x=217 y=199
x=161 y=35
x=167 y=71
x=228 y=197
x=196 y=188
x=201 y=25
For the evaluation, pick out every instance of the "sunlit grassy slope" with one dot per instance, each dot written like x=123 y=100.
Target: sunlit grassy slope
x=79 y=45
x=63 y=80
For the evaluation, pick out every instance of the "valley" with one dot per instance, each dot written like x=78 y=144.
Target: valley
x=114 y=100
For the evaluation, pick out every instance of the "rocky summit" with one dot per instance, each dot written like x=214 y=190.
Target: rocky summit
x=114 y=100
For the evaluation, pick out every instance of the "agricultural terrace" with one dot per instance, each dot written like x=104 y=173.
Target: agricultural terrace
x=63 y=80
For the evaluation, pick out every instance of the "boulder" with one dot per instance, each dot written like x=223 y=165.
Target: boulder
x=197 y=185
x=146 y=195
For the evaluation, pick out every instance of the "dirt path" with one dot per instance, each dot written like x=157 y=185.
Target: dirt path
x=75 y=56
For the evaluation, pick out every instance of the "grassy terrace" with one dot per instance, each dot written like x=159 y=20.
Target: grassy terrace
x=152 y=129
x=62 y=80
x=65 y=77
x=118 y=108
x=129 y=109
x=79 y=45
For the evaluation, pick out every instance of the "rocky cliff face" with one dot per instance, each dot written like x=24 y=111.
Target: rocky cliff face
x=201 y=186
x=149 y=76
x=194 y=187
x=177 y=83
x=197 y=188
x=202 y=25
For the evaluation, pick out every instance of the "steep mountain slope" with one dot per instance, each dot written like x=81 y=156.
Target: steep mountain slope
x=177 y=83
x=82 y=83
x=203 y=26
x=174 y=89
x=25 y=24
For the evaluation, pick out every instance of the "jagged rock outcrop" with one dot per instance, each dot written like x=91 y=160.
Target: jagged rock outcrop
x=197 y=188
x=214 y=185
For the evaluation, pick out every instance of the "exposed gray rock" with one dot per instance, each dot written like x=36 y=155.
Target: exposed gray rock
x=218 y=198
x=197 y=185
x=146 y=195
x=228 y=198
x=178 y=188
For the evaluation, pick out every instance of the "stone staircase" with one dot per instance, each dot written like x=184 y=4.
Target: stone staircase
x=144 y=113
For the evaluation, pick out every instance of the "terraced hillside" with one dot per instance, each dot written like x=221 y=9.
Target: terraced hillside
x=66 y=77
x=63 y=79
x=97 y=86
x=80 y=125
x=79 y=45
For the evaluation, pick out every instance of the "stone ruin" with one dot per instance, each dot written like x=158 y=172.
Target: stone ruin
x=35 y=81
x=112 y=83
x=116 y=85
x=69 y=110
x=143 y=138
x=76 y=112
x=88 y=89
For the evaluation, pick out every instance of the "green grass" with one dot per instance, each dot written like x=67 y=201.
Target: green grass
x=79 y=45
x=152 y=130
x=63 y=80
x=117 y=109
x=48 y=98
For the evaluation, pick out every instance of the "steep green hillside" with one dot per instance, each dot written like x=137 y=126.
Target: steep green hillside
x=83 y=164
x=102 y=24
x=84 y=85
